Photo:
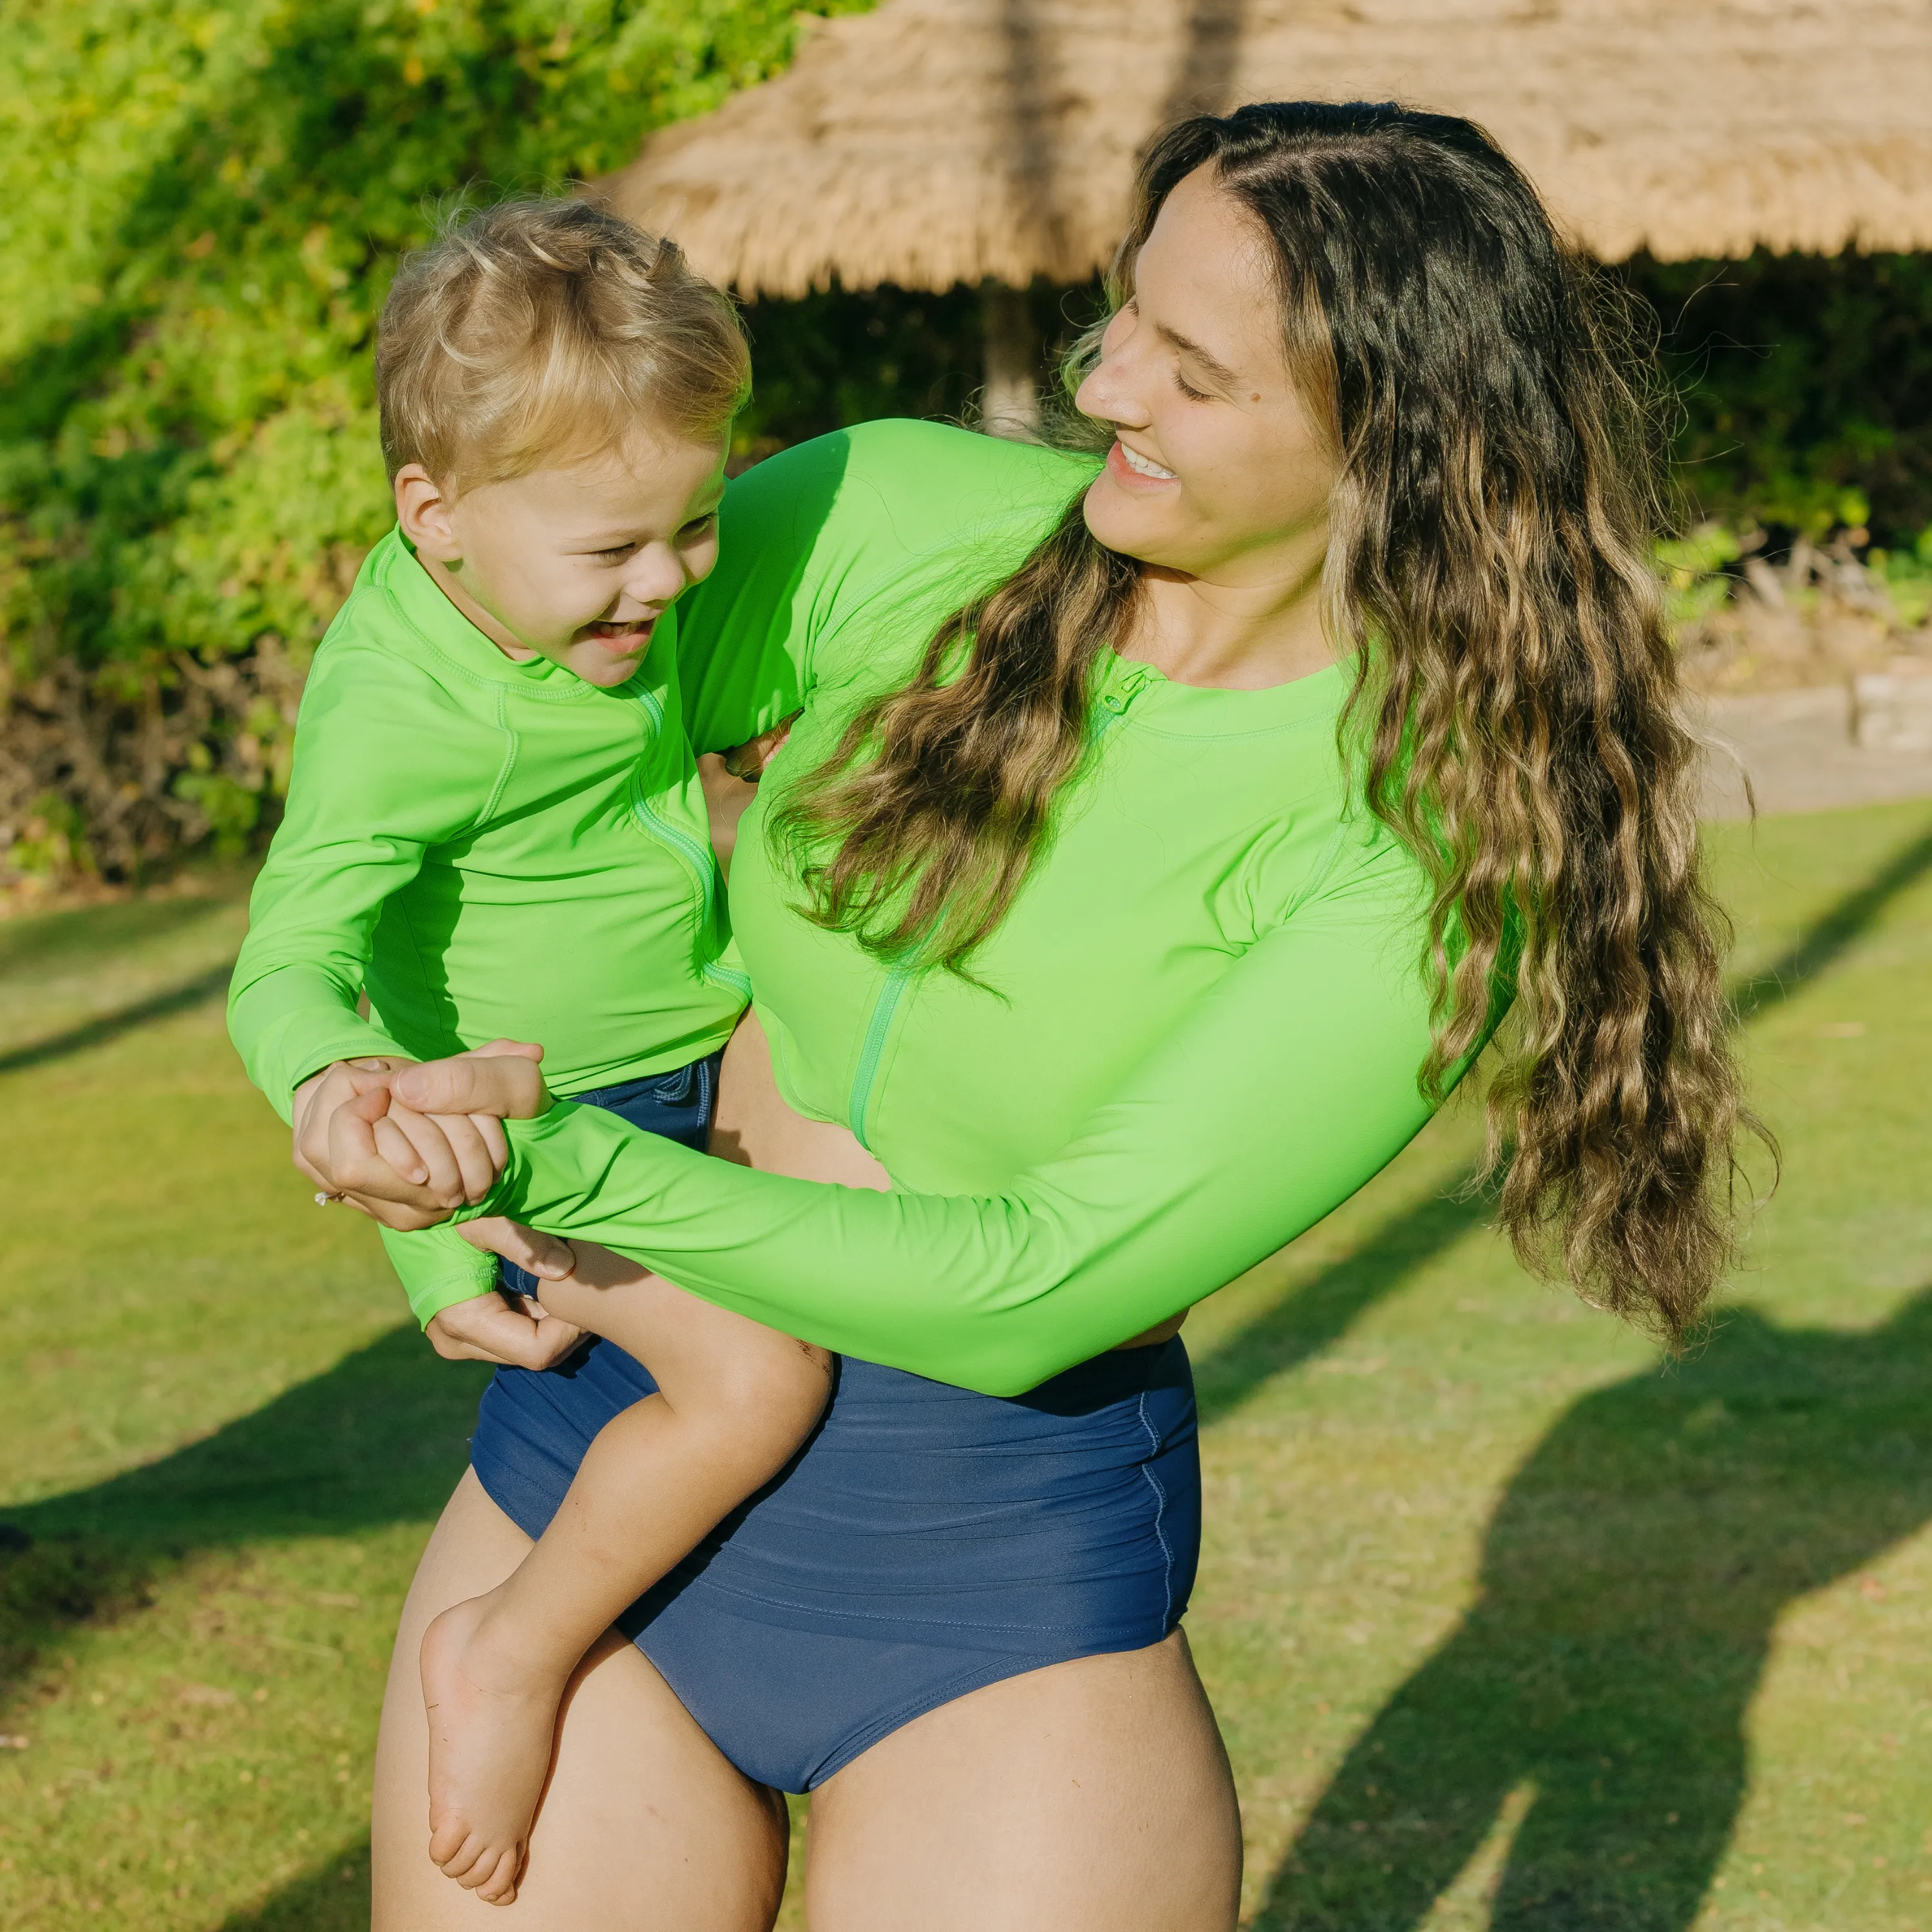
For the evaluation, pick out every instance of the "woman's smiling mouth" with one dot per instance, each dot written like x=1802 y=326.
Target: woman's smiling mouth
x=1122 y=460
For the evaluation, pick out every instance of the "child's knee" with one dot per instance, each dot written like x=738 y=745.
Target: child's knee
x=772 y=1389
x=783 y=1377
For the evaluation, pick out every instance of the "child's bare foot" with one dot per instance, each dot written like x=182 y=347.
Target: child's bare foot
x=492 y=1723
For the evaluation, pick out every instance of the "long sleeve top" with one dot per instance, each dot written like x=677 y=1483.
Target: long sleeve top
x=491 y=848
x=1199 y=1029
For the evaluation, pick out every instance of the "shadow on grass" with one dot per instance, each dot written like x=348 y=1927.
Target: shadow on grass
x=104 y=1027
x=1314 y=1316
x=81 y=936
x=380 y=1438
x=1319 y=1313
x=1631 y=1579
x=1828 y=936
x=334 y=1897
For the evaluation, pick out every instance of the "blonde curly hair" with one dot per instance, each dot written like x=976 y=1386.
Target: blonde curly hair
x=540 y=332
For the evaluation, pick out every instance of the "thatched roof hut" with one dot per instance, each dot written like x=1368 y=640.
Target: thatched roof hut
x=937 y=142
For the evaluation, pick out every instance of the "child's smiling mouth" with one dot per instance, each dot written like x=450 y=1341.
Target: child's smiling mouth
x=622 y=640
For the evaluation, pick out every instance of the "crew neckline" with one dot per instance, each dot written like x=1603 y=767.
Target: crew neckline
x=441 y=625
x=1157 y=703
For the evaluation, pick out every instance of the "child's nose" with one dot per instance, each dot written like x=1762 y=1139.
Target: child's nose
x=656 y=576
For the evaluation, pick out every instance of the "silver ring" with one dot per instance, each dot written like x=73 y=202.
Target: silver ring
x=326 y=1200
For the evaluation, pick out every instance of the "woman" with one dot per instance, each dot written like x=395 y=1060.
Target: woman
x=1133 y=924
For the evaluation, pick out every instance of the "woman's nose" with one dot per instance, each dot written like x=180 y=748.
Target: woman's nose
x=1110 y=394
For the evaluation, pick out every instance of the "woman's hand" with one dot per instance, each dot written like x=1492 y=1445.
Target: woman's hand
x=492 y=1328
x=410 y=1166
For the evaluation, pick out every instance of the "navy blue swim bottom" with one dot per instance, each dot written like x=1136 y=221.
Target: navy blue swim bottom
x=678 y=1105
x=926 y=1541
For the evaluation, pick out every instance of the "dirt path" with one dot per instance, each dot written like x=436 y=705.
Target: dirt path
x=1798 y=748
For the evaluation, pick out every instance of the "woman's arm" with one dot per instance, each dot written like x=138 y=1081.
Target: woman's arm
x=1291 y=1084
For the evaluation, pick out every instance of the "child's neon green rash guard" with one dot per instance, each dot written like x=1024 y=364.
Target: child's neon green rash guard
x=1201 y=1025
x=493 y=848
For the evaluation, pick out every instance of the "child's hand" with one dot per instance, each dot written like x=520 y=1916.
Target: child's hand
x=489 y=1329
x=317 y=1098
x=747 y=761
x=547 y=1256
x=500 y=1082
x=730 y=782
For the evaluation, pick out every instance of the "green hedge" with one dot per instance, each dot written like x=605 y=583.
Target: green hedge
x=200 y=207
x=1807 y=382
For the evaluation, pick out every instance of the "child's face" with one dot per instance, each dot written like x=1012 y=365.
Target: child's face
x=575 y=564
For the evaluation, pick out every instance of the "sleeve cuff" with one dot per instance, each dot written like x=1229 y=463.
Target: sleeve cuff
x=438 y=1269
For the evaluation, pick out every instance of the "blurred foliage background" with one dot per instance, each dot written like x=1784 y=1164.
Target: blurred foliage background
x=200 y=206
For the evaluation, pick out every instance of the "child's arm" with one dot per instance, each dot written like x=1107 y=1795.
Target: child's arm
x=386 y=765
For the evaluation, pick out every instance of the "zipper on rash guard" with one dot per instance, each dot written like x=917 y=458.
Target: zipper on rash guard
x=1122 y=687
x=699 y=859
x=872 y=1050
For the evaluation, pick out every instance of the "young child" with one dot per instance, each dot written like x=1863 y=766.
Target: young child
x=496 y=826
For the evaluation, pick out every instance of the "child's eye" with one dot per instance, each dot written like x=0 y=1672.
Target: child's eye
x=615 y=556
x=698 y=527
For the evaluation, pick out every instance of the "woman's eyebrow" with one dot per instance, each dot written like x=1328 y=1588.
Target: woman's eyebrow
x=1212 y=363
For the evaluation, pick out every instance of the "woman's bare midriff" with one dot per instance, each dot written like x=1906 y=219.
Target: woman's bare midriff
x=757 y=1126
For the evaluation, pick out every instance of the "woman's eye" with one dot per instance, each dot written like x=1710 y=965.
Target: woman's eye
x=1188 y=389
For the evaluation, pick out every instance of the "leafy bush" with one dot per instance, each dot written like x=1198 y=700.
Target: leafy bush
x=1907 y=576
x=200 y=205
x=1806 y=383
x=1693 y=571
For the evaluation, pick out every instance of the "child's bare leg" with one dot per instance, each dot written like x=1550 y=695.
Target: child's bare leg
x=735 y=1401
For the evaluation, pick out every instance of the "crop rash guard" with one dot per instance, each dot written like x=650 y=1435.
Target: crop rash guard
x=1198 y=1030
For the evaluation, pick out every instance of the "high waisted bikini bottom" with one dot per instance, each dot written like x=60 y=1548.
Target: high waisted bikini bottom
x=925 y=1542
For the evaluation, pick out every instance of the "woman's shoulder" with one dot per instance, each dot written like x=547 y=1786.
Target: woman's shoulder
x=910 y=456
x=897 y=487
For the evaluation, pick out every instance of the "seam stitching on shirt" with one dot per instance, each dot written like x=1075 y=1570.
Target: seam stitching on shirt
x=888 y=574
x=1319 y=873
x=508 y=765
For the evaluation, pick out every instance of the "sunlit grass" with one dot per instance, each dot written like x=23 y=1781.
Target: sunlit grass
x=1507 y=1625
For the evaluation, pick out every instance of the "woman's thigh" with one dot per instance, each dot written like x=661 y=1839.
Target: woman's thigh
x=1092 y=1796
x=640 y=1806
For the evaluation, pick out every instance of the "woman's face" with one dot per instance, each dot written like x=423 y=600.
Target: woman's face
x=1218 y=471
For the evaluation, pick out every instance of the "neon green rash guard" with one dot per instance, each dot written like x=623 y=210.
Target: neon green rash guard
x=493 y=848
x=1201 y=1025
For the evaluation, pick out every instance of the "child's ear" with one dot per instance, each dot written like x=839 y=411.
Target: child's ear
x=423 y=510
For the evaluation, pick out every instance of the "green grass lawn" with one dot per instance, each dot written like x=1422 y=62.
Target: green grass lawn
x=1507 y=1625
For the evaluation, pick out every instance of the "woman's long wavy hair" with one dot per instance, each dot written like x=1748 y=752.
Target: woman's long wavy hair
x=1514 y=719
